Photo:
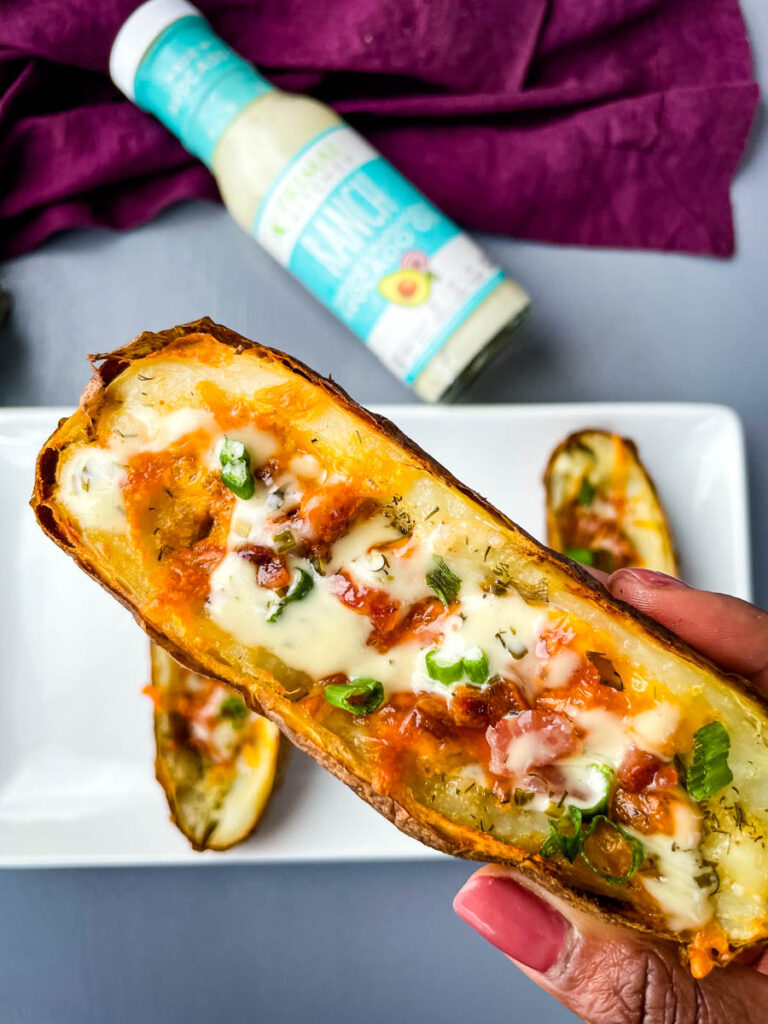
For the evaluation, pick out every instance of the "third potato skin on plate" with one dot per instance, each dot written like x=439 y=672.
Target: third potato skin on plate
x=603 y=509
x=485 y=694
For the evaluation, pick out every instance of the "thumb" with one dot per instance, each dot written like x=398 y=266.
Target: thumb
x=604 y=973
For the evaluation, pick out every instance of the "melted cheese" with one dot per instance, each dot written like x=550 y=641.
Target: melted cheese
x=685 y=903
x=90 y=479
x=354 y=554
x=253 y=522
x=605 y=735
x=654 y=729
x=307 y=466
x=89 y=488
x=318 y=635
x=259 y=444
x=146 y=430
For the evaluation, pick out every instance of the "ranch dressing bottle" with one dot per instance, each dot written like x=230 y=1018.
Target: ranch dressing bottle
x=323 y=202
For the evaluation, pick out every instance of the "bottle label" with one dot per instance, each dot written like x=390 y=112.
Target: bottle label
x=373 y=250
x=195 y=84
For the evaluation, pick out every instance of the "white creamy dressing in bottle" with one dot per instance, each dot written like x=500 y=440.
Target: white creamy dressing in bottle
x=324 y=203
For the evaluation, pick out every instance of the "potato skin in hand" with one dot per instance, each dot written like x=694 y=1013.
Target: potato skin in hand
x=422 y=759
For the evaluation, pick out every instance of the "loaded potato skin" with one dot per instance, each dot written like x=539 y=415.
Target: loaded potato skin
x=481 y=691
x=215 y=759
x=602 y=506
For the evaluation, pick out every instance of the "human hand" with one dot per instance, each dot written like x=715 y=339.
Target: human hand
x=605 y=973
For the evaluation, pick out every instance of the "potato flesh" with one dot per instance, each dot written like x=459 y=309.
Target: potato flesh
x=347 y=444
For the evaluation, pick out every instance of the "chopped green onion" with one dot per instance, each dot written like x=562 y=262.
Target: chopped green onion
x=586 y=492
x=232 y=451
x=709 y=771
x=284 y=541
x=446 y=584
x=583 y=555
x=235 y=468
x=446 y=674
x=237 y=477
x=233 y=709
x=602 y=777
x=473 y=666
x=638 y=852
x=359 y=697
x=569 y=844
x=299 y=588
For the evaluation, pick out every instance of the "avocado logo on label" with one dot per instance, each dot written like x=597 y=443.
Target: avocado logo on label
x=411 y=285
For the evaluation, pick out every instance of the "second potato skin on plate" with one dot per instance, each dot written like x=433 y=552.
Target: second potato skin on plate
x=602 y=506
x=215 y=760
x=485 y=694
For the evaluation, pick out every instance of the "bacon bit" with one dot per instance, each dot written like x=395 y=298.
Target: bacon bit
x=476 y=709
x=377 y=605
x=554 y=736
x=338 y=678
x=329 y=512
x=418 y=726
x=421 y=622
x=430 y=715
x=638 y=769
x=708 y=948
x=665 y=778
x=551 y=640
x=267 y=472
x=649 y=812
x=271 y=569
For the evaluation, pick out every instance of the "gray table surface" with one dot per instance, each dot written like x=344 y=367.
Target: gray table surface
x=359 y=942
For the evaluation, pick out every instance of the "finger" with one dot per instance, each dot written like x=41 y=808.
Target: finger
x=731 y=632
x=603 y=973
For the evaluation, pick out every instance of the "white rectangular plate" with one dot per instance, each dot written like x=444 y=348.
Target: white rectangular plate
x=77 y=780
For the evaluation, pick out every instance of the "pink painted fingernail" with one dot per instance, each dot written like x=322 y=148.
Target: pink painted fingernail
x=513 y=919
x=650 y=578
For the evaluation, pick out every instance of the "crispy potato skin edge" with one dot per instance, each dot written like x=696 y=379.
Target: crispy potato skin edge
x=448 y=838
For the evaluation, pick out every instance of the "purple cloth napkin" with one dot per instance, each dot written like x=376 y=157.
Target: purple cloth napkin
x=596 y=122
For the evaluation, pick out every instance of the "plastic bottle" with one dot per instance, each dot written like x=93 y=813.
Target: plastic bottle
x=320 y=199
